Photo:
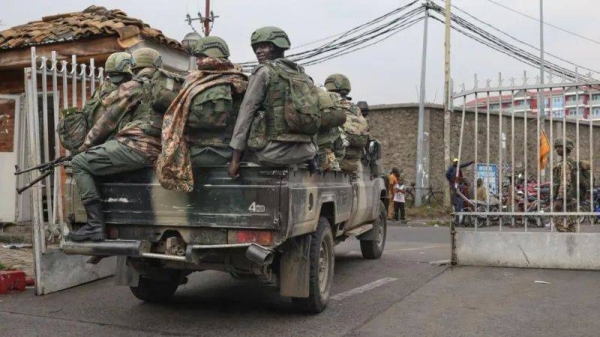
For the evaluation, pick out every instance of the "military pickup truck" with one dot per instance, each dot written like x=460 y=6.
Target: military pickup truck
x=279 y=225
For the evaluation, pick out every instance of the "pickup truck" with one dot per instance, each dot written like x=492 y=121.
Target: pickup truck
x=276 y=224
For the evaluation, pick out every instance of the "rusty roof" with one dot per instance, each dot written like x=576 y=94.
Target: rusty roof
x=94 y=21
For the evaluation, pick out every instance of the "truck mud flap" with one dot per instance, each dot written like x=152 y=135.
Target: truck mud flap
x=295 y=267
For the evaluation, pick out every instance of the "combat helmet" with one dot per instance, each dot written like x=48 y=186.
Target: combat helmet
x=564 y=141
x=275 y=35
x=211 y=46
x=146 y=58
x=120 y=62
x=337 y=82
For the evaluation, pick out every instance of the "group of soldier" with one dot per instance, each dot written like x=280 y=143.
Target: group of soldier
x=143 y=115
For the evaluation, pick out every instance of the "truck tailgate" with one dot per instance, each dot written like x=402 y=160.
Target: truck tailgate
x=217 y=200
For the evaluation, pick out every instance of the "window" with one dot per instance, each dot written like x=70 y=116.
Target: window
x=557 y=102
x=596 y=112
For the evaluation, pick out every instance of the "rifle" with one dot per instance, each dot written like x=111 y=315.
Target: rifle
x=46 y=169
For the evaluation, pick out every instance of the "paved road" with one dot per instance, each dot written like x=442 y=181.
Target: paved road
x=400 y=295
x=214 y=304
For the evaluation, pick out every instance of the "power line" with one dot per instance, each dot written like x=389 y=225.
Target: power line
x=472 y=31
x=523 y=42
x=349 y=41
x=546 y=23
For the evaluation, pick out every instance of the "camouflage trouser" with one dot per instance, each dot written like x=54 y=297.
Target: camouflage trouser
x=571 y=221
x=109 y=158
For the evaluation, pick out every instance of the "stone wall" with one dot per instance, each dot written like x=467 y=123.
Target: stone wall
x=395 y=126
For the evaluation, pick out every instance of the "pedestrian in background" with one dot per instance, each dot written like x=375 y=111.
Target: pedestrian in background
x=393 y=180
x=481 y=191
x=451 y=176
x=399 y=200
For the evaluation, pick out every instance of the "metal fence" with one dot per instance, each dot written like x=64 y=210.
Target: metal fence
x=52 y=84
x=515 y=127
x=520 y=156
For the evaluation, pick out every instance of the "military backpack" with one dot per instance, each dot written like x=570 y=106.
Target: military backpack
x=72 y=129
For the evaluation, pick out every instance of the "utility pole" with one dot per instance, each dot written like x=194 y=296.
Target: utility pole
x=447 y=98
x=421 y=174
x=206 y=20
x=541 y=100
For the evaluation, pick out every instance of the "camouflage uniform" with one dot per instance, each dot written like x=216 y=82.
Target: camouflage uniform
x=197 y=127
x=136 y=144
x=277 y=152
x=94 y=104
x=356 y=127
x=565 y=188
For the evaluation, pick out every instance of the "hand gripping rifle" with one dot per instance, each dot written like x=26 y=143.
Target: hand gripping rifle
x=46 y=169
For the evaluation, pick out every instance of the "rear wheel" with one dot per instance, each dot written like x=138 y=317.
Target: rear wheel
x=373 y=249
x=322 y=261
x=156 y=291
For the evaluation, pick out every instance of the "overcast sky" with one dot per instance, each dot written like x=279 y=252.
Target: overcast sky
x=385 y=73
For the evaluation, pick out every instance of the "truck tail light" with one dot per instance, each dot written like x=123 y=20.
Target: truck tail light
x=264 y=238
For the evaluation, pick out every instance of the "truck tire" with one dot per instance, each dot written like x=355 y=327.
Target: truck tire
x=155 y=291
x=373 y=249
x=322 y=261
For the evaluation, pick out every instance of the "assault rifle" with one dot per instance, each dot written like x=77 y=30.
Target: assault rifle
x=46 y=169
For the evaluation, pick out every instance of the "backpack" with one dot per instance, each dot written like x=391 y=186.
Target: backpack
x=301 y=110
x=72 y=128
x=357 y=130
x=165 y=87
x=332 y=111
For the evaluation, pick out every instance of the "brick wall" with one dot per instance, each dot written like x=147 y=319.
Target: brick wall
x=7 y=125
x=395 y=126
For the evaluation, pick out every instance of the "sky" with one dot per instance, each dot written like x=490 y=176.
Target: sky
x=385 y=73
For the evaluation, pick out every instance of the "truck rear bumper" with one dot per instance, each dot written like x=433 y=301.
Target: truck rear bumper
x=141 y=249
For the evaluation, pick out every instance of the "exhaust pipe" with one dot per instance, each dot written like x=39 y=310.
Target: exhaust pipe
x=259 y=255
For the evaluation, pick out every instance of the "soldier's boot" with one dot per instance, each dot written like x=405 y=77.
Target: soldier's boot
x=93 y=230
x=313 y=165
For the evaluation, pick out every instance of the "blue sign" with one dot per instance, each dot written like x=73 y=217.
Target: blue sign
x=489 y=175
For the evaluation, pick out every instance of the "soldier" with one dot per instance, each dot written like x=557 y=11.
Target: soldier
x=267 y=89
x=135 y=146
x=116 y=74
x=329 y=138
x=356 y=128
x=202 y=117
x=74 y=125
x=565 y=185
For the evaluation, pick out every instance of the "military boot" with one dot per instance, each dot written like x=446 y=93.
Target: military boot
x=93 y=230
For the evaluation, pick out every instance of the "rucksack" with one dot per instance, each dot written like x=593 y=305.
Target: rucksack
x=357 y=130
x=301 y=110
x=332 y=111
x=165 y=87
x=72 y=129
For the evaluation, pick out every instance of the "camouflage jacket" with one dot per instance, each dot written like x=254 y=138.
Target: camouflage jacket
x=174 y=166
x=117 y=105
x=564 y=179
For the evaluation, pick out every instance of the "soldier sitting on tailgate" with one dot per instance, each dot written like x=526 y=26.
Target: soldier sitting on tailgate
x=74 y=125
x=356 y=127
x=135 y=146
x=197 y=128
x=280 y=106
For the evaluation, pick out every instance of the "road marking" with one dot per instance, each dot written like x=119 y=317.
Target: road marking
x=415 y=248
x=362 y=289
x=399 y=250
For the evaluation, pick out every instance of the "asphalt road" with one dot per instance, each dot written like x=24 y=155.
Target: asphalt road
x=215 y=304
x=402 y=294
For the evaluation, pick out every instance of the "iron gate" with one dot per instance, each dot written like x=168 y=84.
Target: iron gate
x=52 y=85
x=511 y=128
